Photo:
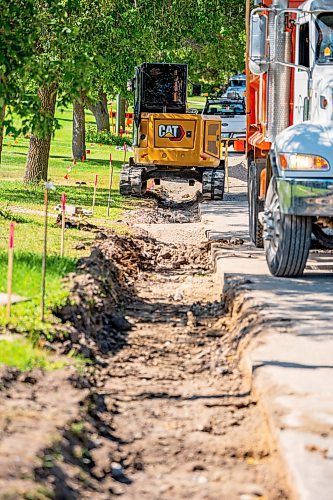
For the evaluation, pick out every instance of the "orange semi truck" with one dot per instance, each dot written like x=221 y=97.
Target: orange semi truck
x=290 y=129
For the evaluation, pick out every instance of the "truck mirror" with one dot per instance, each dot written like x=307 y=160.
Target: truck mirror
x=258 y=51
x=130 y=85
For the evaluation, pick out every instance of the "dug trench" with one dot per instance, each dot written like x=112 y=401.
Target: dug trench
x=164 y=409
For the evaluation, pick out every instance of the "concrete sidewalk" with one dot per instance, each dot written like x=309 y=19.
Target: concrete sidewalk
x=291 y=355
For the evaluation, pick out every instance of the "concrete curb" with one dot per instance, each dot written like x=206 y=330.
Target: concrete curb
x=246 y=313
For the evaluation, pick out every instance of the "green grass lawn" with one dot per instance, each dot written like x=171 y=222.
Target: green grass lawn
x=13 y=166
x=21 y=354
x=24 y=205
x=196 y=102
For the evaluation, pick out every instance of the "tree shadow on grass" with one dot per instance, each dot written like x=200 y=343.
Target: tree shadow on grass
x=88 y=162
x=117 y=164
x=8 y=148
x=18 y=153
x=65 y=120
x=19 y=195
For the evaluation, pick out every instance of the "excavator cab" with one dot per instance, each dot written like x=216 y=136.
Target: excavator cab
x=169 y=141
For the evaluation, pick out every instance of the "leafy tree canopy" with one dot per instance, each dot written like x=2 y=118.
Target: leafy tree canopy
x=90 y=44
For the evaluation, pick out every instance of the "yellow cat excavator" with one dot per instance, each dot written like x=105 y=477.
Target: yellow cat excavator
x=171 y=142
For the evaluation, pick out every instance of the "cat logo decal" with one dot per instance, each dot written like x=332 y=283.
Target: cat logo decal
x=171 y=132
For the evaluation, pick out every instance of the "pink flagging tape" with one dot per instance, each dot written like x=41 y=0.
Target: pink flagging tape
x=11 y=236
x=63 y=202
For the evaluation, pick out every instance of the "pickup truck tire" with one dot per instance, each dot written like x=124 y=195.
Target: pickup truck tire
x=255 y=205
x=287 y=238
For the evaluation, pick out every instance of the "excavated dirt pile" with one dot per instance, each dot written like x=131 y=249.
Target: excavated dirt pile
x=163 y=410
x=169 y=413
x=161 y=209
x=105 y=283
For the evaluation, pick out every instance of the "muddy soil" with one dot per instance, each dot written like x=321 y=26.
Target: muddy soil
x=34 y=408
x=166 y=411
x=187 y=424
x=170 y=203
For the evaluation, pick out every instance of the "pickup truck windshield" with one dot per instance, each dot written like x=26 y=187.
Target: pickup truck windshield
x=237 y=83
x=324 y=50
x=224 y=108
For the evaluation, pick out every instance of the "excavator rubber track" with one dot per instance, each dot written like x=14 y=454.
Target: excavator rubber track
x=213 y=184
x=131 y=183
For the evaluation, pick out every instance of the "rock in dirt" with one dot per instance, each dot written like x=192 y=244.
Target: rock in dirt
x=116 y=470
x=178 y=295
x=120 y=323
x=80 y=246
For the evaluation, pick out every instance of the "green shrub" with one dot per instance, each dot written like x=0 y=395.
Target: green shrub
x=104 y=137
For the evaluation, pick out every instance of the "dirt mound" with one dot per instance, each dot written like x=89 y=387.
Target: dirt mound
x=170 y=414
x=161 y=209
x=34 y=406
x=105 y=282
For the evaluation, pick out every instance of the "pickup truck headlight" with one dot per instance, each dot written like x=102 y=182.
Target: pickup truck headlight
x=295 y=161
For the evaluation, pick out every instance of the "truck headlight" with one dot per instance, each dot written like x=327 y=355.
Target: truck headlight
x=295 y=161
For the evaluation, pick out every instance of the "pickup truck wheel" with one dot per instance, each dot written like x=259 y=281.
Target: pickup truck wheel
x=287 y=238
x=255 y=205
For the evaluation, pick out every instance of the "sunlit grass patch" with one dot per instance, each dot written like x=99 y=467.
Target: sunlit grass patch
x=21 y=354
x=27 y=283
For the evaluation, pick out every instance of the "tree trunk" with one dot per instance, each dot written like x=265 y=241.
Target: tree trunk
x=2 y=117
x=37 y=165
x=121 y=109
x=79 y=131
x=100 y=112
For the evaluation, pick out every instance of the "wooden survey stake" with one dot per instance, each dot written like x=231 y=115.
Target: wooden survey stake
x=49 y=186
x=46 y=203
x=110 y=184
x=63 y=223
x=125 y=152
x=94 y=195
x=10 y=270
